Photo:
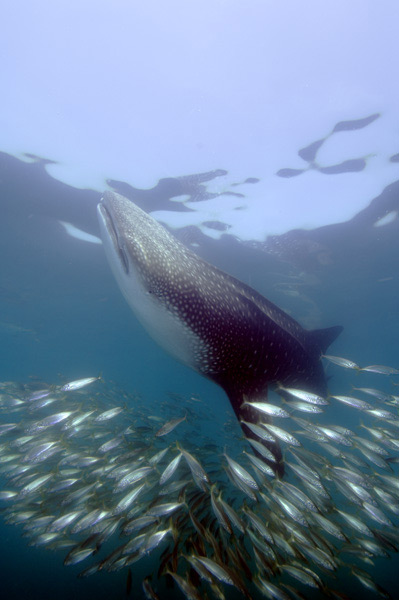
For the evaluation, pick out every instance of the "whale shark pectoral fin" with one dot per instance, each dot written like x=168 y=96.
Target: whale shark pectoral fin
x=247 y=414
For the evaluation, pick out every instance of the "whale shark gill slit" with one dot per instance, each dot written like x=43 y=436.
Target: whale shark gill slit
x=207 y=319
x=106 y=215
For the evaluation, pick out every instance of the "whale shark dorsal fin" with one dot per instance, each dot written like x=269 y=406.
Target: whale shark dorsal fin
x=323 y=338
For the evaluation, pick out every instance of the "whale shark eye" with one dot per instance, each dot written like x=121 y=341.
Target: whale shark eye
x=124 y=260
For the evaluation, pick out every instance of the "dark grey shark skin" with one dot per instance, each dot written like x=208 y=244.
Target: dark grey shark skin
x=209 y=320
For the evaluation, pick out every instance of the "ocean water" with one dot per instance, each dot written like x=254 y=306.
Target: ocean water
x=62 y=318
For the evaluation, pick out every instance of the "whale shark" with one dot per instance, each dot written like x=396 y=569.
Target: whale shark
x=207 y=319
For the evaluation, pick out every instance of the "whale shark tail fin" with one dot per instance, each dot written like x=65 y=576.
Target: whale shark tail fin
x=321 y=339
x=269 y=452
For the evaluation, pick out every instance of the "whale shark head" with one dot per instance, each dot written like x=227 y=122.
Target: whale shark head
x=149 y=264
x=132 y=239
x=207 y=319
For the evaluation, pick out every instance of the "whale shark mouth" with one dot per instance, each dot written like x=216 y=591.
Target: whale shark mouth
x=112 y=230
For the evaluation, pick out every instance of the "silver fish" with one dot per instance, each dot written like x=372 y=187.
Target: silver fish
x=78 y=384
x=128 y=499
x=282 y=435
x=383 y=396
x=267 y=409
x=154 y=540
x=381 y=369
x=305 y=407
x=305 y=396
x=241 y=473
x=341 y=362
x=170 y=426
x=260 y=465
x=7 y=494
x=354 y=402
x=200 y=476
x=170 y=469
x=132 y=477
x=216 y=569
x=108 y=414
x=48 y=421
x=165 y=509
x=35 y=485
x=65 y=520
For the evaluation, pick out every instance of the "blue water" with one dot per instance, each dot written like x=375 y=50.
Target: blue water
x=62 y=317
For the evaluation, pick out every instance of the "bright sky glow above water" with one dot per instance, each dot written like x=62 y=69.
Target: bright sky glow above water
x=138 y=91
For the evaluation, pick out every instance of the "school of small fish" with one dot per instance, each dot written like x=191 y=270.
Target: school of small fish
x=90 y=470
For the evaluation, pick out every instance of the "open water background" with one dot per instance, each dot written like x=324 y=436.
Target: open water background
x=62 y=317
